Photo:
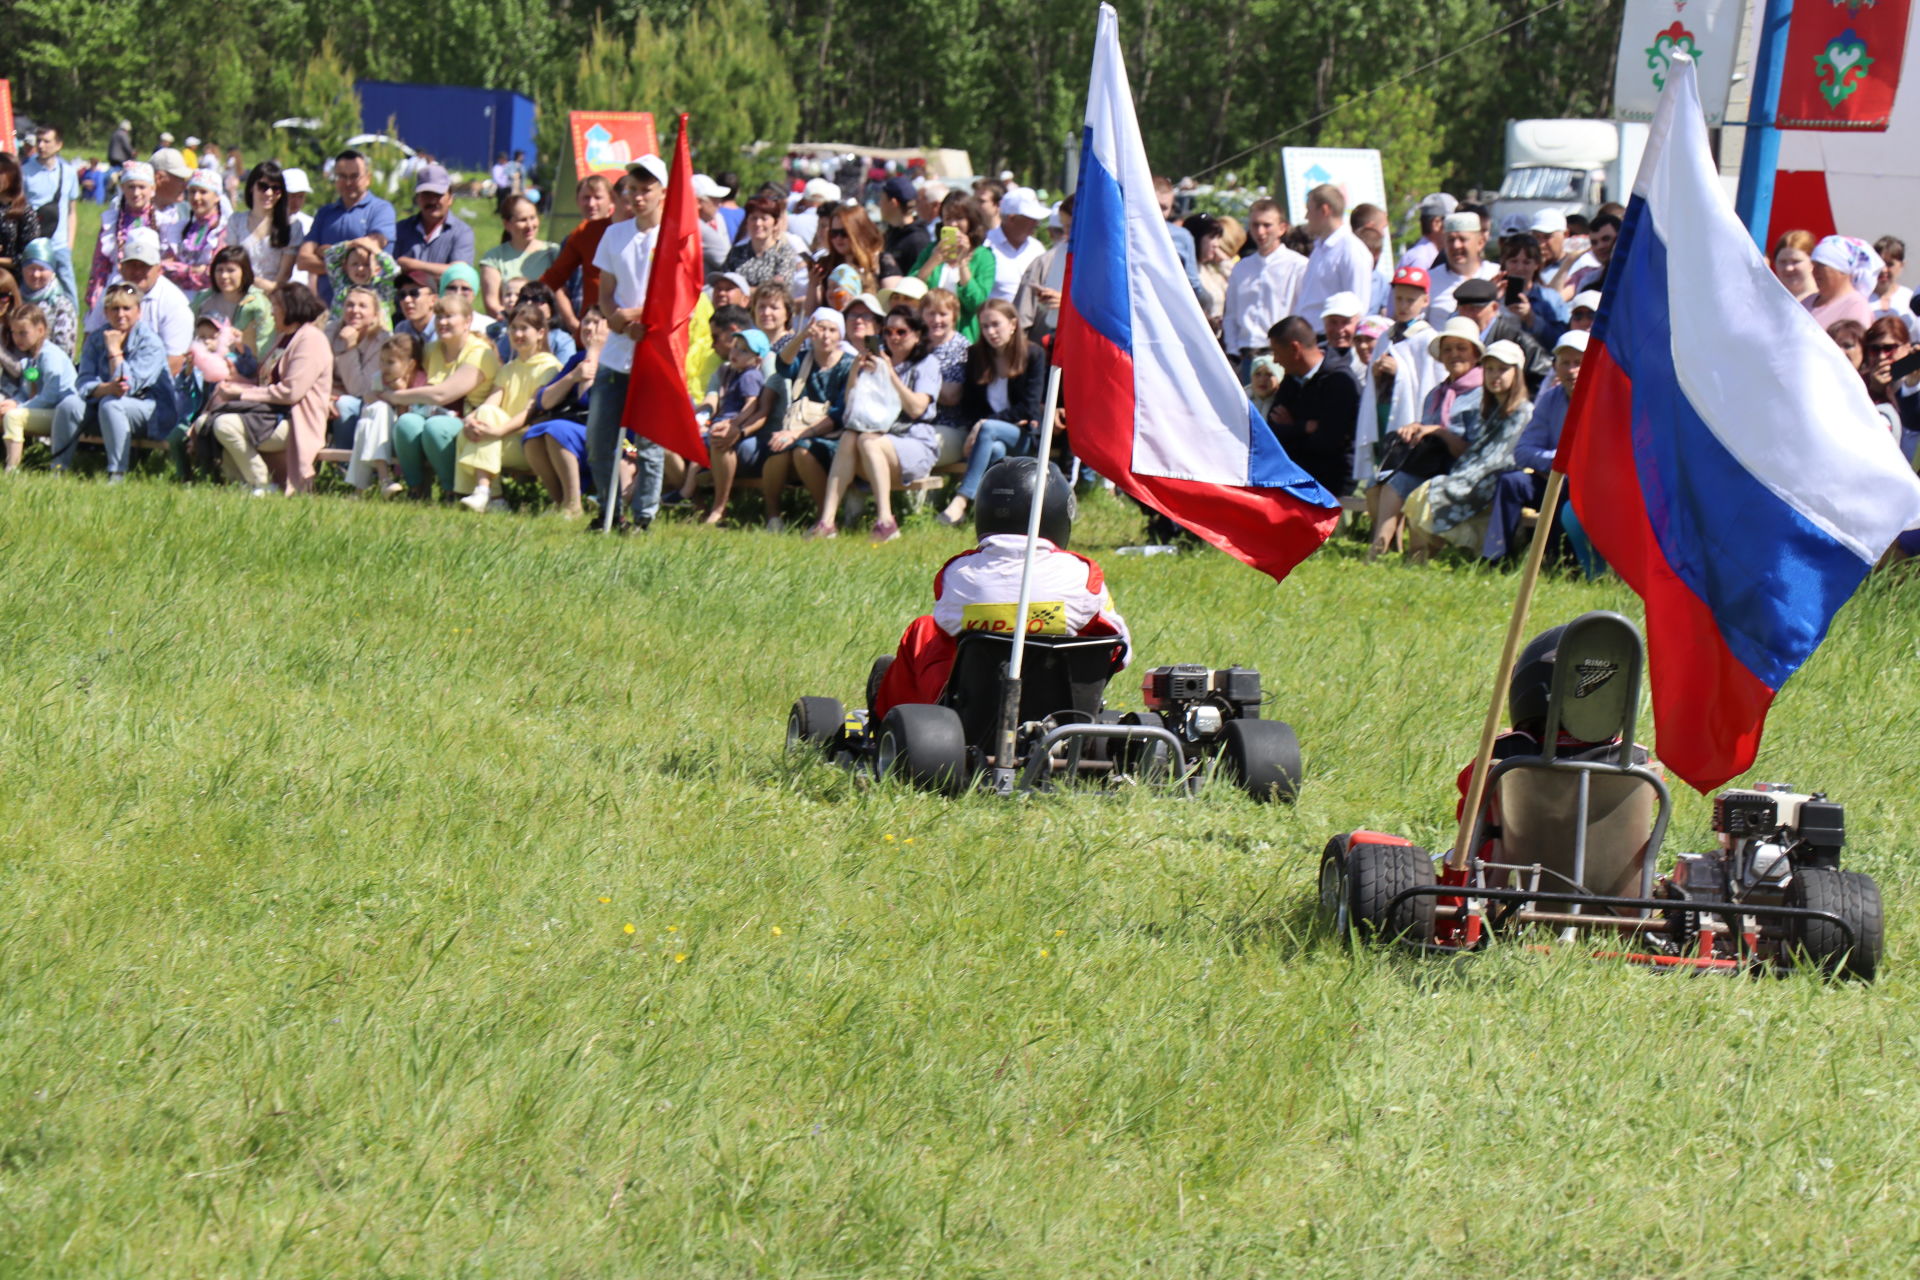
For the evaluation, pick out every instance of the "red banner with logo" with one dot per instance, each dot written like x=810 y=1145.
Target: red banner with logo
x=1843 y=64
x=6 y=115
x=604 y=141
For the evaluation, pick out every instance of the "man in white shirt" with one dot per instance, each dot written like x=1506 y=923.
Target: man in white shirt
x=1340 y=263
x=1465 y=238
x=1014 y=245
x=624 y=261
x=1262 y=288
x=1549 y=228
x=162 y=306
x=1429 y=249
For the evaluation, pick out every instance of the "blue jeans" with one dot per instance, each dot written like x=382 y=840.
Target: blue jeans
x=117 y=419
x=996 y=440
x=605 y=408
x=346 y=415
x=420 y=441
x=63 y=269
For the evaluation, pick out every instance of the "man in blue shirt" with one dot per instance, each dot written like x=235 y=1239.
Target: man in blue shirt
x=51 y=183
x=432 y=240
x=358 y=212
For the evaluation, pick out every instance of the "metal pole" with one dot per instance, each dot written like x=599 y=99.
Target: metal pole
x=1033 y=524
x=1516 y=627
x=1760 y=156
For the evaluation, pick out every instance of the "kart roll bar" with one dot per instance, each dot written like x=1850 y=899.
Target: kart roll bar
x=1039 y=756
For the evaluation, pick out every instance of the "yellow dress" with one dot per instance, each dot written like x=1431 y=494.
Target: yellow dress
x=517 y=384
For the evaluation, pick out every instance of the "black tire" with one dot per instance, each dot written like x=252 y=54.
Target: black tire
x=1358 y=882
x=1263 y=757
x=1143 y=761
x=815 y=722
x=924 y=744
x=1855 y=898
x=875 y=675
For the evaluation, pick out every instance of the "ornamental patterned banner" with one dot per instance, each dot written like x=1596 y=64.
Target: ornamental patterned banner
x=1654 y=30
x=1843 y=64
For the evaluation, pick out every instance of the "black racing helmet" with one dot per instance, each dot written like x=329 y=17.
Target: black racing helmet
x=1006 y=501
x=1531 y=687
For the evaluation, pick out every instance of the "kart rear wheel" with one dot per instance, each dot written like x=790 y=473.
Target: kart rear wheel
x=1263 y=757
x=876 y=674
x=1855 y=898
x=1143 y=761
x=815 y=722
x=1358 y=882
x=924 y=744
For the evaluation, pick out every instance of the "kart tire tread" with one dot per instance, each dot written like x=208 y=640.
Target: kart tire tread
x=1370 y=876
x=1263 y=758
x=1853 y=896
x=815 y=722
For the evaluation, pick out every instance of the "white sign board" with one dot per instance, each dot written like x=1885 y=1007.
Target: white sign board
x=1355 y=170
x=1653 y=31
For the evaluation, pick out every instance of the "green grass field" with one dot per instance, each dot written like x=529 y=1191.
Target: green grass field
x=391 y=893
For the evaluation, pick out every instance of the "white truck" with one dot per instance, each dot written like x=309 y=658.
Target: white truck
x=1574 y=166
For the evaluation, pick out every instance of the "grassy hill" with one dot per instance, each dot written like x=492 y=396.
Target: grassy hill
x=391 y=892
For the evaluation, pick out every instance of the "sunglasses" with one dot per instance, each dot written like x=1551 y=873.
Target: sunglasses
x=836 y=233
x=897 y=332
x=1881 y=348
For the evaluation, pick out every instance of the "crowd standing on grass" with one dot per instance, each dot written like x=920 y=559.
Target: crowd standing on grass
x=849 y=345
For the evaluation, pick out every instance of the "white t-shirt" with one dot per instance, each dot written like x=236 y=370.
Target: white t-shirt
x=1444 y=281
x=1011 y=263
x=265 y=258
x=1260 y=294
x=626 y=254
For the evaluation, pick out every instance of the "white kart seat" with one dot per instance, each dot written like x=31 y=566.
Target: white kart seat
x=1537 y=808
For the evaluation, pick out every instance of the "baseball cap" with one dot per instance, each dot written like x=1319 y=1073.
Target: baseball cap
x=1507 y=352
x=1345 y=303
x=1415 y=276
x=1572 y=340
x=900 y=189
x=170 y=162
x=819 y=189
x=648 y=166
x=870 y=302
x=733 y=278
x=1021 y=203
x=1474 y=293
x=1548 y=222
x=137 y=171
x=1438 y=205
x=1590 y=299
x=707 y=188
x=143 y=245
x=432 y=179
x=756 y=341
x=897 y=289
x=296 y=180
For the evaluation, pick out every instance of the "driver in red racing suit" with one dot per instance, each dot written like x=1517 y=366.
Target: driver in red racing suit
x=979 y=590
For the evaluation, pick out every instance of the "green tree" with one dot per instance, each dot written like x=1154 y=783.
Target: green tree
x=1403 y=124
x=322 y=92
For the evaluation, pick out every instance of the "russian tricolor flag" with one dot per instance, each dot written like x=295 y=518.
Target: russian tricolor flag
x=1722 y=455
x=1152 y=401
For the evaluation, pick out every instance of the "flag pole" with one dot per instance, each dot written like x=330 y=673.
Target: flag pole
x=1010 y=686
x=1760 y=156
x=1516 y=627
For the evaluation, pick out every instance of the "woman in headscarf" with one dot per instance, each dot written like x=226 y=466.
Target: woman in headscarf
x=41 y=286
x=1840 y=265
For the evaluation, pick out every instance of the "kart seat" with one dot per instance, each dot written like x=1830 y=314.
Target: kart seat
x=1058 y=674
x=1595 y=698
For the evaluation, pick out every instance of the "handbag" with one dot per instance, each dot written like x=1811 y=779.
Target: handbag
x=803 y=414
x=873 y=405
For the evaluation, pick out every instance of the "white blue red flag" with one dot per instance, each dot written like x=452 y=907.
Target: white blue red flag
x=1722 y=454
x=1152 y=402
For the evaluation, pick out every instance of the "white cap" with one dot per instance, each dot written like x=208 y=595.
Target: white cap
x=1021 y=203
x=651 y=166
x=168 y=161
x=1590 y=299
x=192 y=141
x=1548 y=222
x=143 y=245
x=296 y=180
x=1053 y=217
x=1507 y=352
x=820 y=191
x=871 y=303
x=707 y=188
x=1572 y=340
x=1006 y=175
x=166 y=139
x=1463 y=222
x=1345 y=303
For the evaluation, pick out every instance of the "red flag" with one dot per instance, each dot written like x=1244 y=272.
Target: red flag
x=658 y=406
x=1843 y=65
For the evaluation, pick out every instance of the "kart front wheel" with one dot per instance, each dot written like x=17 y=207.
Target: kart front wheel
x=1359 y=880
x=924 y=744
x=814 y=722
x=1263 y=757
x=1855 y=899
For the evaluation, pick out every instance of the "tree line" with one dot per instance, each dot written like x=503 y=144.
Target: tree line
x=1221 y=84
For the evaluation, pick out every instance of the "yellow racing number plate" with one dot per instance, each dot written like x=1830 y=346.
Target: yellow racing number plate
x=1044 y=618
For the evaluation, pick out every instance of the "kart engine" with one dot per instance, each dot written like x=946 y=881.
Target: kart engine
x=1764 y=834
x=1196 y=702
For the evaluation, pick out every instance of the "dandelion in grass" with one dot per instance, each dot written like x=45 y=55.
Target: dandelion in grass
x=776 y=931
x=1059 y=933
x=673 y=928
x=679 y=957
x=888 y=837
x=909 y=840
x=627 y=928
x=1044 y=953
x=604 y=901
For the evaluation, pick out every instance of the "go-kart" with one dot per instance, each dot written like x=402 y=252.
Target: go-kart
x=1061 y=728
x=1571 y=844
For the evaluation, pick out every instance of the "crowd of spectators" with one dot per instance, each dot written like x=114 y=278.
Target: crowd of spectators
x=850 y=346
